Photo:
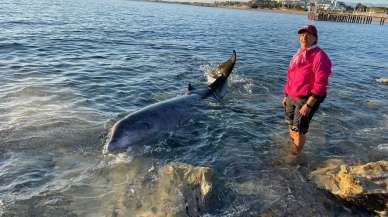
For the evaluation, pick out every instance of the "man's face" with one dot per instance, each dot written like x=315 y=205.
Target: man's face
x=306 y=39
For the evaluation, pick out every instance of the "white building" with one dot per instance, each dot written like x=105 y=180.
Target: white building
x=293 y=3
x=324 y=4
x=331 y=5
x=308 y=4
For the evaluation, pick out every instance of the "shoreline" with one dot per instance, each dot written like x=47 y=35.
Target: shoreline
x=376 y=16
x=283 y=11
x=275 y=10
x=239 y=7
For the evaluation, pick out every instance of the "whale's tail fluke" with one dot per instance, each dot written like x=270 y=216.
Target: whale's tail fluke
x=221 y=74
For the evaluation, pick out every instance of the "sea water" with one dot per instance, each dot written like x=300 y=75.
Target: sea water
x=70 y=69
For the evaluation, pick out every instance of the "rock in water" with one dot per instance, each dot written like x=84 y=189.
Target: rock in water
x=181 y=190
x=383 y=80
x=364 y=185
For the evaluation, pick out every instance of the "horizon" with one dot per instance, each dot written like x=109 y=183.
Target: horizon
x=368 y=2
x=380 y=3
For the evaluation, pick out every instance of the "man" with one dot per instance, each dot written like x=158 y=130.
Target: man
x=306 y=86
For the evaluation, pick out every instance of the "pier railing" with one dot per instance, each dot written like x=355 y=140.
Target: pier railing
x=345 y=17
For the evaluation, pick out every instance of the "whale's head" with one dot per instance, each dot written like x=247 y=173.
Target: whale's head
x=129 y=132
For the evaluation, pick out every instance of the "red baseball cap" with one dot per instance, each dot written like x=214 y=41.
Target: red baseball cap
x=309 y=28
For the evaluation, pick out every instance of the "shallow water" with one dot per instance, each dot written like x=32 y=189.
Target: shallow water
x=70 y=69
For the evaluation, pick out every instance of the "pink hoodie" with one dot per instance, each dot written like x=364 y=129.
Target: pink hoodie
x=308 y=72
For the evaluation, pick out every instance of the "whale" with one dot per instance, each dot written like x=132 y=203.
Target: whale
x=149 y=123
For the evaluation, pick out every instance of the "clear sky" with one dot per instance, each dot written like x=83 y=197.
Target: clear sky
x=380 y=2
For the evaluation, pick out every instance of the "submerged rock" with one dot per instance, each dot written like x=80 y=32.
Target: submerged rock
x=182 y=190
x=383 y=80
x=175 y=190
x=364 y=185
x=378 y=153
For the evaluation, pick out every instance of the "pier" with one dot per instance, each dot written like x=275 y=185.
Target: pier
x=344 y=17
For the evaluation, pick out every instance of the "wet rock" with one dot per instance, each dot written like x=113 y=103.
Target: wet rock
x=383 y=80
x=182 y=190
x=281 y=191
x=378 y=153
x=44 y=205
x=364 y=185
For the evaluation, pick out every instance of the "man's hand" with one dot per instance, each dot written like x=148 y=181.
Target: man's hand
x=284 y=102
x=304 y=110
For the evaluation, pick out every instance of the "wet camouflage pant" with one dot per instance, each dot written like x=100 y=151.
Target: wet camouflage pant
x=296 y=121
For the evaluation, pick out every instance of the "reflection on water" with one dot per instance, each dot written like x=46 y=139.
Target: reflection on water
x=69 y=70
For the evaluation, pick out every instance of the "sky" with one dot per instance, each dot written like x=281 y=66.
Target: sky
x=375 y=2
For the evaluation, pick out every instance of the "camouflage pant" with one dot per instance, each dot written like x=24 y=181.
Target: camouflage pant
x=296 y=121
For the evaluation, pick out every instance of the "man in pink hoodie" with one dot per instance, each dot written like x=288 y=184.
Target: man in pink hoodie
x=306 y=86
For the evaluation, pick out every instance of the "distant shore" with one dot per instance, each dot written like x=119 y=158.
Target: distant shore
x=245 y=6
x=240 y=7
x=276 y=10
x=283 y=10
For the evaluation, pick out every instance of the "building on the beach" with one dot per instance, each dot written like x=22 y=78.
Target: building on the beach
x=340 y=6
x=326 y=5
x=310 y=5
x=293 y=3
x=264 y=3
x=321 y=4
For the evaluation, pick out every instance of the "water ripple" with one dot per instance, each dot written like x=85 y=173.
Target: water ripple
x=70 y=69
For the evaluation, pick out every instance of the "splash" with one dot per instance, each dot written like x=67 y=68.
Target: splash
x=242 y=81
x=209 y=72
x=383 y=147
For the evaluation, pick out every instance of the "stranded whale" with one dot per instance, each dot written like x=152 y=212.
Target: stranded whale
x=148 y=123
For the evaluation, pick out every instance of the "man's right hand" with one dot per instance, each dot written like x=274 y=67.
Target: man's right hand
x=284 y=102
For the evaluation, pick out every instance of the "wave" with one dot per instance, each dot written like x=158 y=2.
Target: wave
x=11 y=46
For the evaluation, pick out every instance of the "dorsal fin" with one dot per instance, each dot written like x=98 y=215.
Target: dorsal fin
x=190 y=87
